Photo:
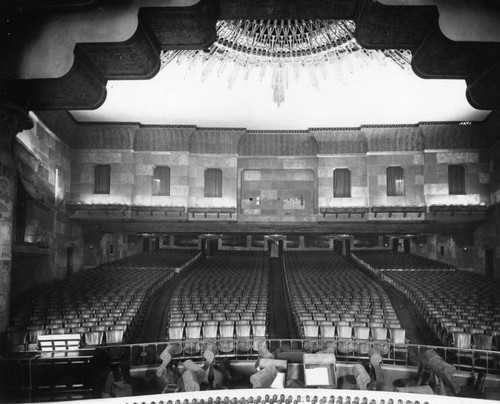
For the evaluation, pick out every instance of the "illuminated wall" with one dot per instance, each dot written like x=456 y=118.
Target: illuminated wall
x=46 y=238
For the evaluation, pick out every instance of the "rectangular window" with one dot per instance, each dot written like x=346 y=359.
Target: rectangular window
x=341 y=183
x=102 y=179
x=456 y=180
x=395 y=181
x=161 y=181
x=58 y=186
x=213 y=183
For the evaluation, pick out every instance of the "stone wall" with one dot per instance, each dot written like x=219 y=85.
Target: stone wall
x=477 y=177
x=356 y=163
x=46 y=238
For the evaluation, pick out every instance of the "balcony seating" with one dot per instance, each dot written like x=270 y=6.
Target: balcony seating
x=452 y=301
x=328 y=292
x=100 y=299
x=216 y=294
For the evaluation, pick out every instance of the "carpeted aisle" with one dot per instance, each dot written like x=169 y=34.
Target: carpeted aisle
x=155 y=322
x=281 y=324
x=417 y=331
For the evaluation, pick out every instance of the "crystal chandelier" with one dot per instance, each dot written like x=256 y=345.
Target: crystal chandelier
x=283 y=49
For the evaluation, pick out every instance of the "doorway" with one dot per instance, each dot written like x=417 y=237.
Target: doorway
x=69 y=261
x=489 y=264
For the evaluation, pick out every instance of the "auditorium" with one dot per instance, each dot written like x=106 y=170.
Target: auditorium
x=250 y=202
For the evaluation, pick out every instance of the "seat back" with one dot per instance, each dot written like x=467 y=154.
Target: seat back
x=94 y=337
x=462 y=340
x=327 y=330
x=259 y=328
x=243 y=329
x=483 y=341
x=344 y=331
x=114 y=336
x=193 y=329
x=226 y=329
x=311 y=329
x=210 y=329
x=397 y=335
x=361 y=332
x=176 y=330
x=379 y=333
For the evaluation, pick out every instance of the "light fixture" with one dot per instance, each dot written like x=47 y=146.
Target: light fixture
x=285 y=49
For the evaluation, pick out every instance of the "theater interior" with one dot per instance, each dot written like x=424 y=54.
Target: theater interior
x=233 y=201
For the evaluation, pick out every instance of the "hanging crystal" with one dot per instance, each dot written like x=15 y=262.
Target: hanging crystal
x=287 y=47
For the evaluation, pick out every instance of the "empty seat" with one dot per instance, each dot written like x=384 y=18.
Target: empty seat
x=114 y=337
x=94 y=338
x=362 y=340
x=345 y=344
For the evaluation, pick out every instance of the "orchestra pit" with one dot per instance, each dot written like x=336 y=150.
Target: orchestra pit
x=238 y=202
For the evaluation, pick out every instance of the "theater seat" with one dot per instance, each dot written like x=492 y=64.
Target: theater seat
x=345 y=344
x=114 y=337
x=94 y=338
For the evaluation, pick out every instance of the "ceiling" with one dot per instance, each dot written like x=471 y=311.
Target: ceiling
x=101 y=59
x=371 y=94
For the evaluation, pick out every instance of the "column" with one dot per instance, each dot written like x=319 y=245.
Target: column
x=12 y=121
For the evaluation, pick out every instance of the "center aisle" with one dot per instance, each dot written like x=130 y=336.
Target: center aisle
x=280 y=320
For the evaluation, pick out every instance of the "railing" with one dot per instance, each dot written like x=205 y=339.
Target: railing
x=148 y=354
x=31 y=375
x=287 y=396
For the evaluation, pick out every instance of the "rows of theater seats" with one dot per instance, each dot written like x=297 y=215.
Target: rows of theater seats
x=332 y=300
x=462 y=308
x=164 y=258
x=392 y=260
x=103 y=305
x=224 y=297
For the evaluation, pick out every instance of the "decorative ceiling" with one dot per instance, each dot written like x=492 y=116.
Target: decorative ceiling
x=105 y=56
x=369 y=95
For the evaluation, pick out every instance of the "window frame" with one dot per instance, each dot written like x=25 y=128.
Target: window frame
x=349 y=193
x=395 y=186
x=97 y=168
x=218 y=193
x=462 y=190
x=167 y=180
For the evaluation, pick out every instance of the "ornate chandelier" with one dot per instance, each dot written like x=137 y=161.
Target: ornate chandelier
x=284 y=48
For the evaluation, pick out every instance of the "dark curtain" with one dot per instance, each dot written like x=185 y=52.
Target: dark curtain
x=101 y=179
x=342 y=183
x=213 y=183
x=456 y=180
x=395 y=181
x=161 y=181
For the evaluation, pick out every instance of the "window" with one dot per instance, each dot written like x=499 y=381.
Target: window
x=161 y=181
x=58 y=186
x=395 y=181
x=101 y=179
x=213 y=183
x=456 y=180
x=341 y=183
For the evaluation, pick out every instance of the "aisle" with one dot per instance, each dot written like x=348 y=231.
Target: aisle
x=154 y=324
x=417 y=331
x=281 y=324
